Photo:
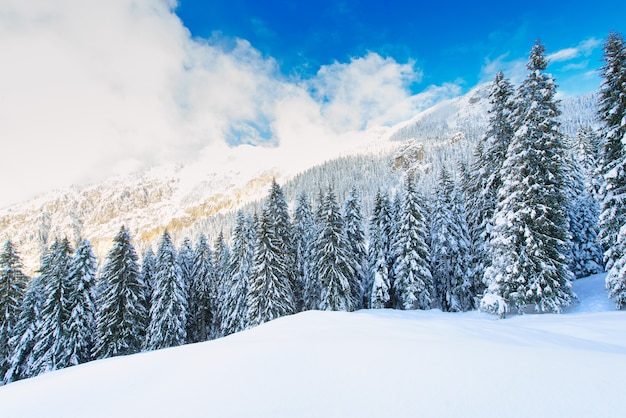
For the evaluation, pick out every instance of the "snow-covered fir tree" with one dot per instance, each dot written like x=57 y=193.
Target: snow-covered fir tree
x=184 y=258
x=202 y=294
x=612 y=113
x=530 y=236
x=378 y=285
x=24 y=334
x=148 y=266
x=81 y=325
x=588 y=147
x=304 y=237
x=12 y=286
x=414 y=283
x=121 y=318
x=450 y=249
x=52 y=350
x=334 y=265
x=236 y=282
x=283 y=229
x=270 y=294
x=354 y=233
x=485 y=179
x=168 y=313
x=221 y=258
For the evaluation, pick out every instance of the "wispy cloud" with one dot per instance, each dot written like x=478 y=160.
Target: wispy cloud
x=583 y=49
x=90 y=89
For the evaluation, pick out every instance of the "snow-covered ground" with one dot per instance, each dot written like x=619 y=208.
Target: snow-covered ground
x=365 y=364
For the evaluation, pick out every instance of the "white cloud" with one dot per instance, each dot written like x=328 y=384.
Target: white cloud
x=90 y=89
x=584 y=49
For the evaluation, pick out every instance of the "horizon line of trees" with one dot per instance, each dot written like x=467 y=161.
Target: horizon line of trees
x=533 y=211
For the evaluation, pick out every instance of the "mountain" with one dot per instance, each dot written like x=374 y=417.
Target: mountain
x=369 y=363
x=202 y=197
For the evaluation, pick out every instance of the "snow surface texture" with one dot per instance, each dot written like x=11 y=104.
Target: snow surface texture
x=372 y=363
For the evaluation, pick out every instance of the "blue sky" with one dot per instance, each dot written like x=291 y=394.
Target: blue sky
x=448 y=41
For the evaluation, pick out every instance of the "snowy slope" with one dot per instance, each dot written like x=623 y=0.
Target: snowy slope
x=366 y=364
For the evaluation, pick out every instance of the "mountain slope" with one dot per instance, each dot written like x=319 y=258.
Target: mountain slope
x=367 y=364
x=186 y=199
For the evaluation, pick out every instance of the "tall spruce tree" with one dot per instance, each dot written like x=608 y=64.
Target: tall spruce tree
x=414 y=283
x=236 y=283
x=12 y=286
x=121 y=318
x=612 y=113
x=81 y=326
x=354 y=233
x=270 y=295
x=378 y=286
x=450 y=253
x=168 y=314
x=24 y=334
x=530 y=237
x=221 y=258
x=485 y=179
x=148 y=266
x=334 y=266
x=202 y=294
x=52 y=350
x=184 y=258
x=308 y=288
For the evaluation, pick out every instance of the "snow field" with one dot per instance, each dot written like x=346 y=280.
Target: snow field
x=371 y=363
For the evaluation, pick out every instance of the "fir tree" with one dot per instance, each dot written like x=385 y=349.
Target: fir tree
x=168 y=314
x=185 y=259
x=450 y=254
x=121 y=318
x=81 y=326
x=485 y=181
x=237 y=281
x=270 y=295
x=355 y=235
x=308 y=288
x=220 y=262
x=12 y=285
x=202 y=294
x=530 y=236
x=379 y=285
x=333 y=253
x=52 y=349
x=148 y=266
x=24 y=334
x=283 y=229
x=612 y=113
x=414 y=283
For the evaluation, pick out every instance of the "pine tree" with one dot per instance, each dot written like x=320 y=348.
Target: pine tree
x=185 y=259
x=612 y=113
x=283 y=231
x=148 y=266
x=353 y=231
x=588 y=148
x=237 y=280
x=485 y=181
x=270 y=295
x=121 y=318
x=81 y=326
x=304 y=233
x=24 y=335
x=220 y=262
x=379 y=285
x=168 y=314
x=414 y=282
x=450 y=254
x=334 y=266
x=530 y=236
x=12 y=286
x=52 y=349
x=202 y=294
